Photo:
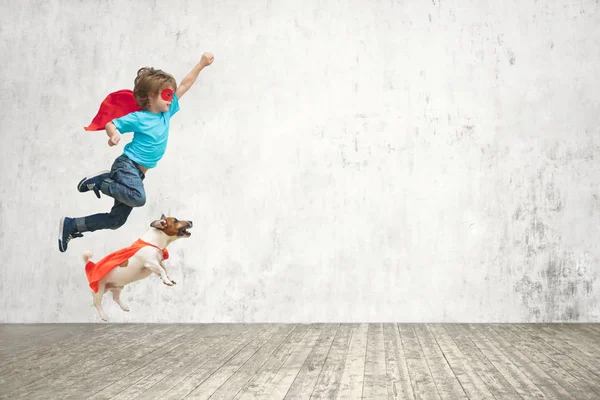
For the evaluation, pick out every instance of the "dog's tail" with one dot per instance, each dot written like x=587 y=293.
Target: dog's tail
x=86 y=256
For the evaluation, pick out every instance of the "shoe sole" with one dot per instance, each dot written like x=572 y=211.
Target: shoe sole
x=60 y=235
x=89 y=177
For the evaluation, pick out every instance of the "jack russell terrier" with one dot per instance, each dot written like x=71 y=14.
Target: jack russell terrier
x=136 y=262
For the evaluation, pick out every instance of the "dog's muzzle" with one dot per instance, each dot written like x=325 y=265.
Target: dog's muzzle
x=184 y=230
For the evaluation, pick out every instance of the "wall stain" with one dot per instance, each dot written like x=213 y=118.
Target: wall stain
x=555 y=294
x=530 y=292
x=518 y=213
x=511 y=57
x=554 y=281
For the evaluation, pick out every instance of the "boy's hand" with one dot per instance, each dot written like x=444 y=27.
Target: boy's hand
x=207 y=59
x=188 y=81
x=113 y=134
x=114 y=140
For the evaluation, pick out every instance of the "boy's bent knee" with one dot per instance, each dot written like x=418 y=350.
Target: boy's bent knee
x=134 y=199
x=118 y=222
x=138 y=201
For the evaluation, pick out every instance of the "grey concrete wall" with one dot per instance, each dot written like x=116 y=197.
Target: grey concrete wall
x=342 y=161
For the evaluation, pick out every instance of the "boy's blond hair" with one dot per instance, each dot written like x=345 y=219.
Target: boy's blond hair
x=151 y=81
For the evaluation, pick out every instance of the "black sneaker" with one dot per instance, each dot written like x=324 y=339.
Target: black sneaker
x=67 y=231
x=93 y=182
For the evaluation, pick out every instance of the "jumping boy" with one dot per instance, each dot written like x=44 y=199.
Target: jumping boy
x=157 y=94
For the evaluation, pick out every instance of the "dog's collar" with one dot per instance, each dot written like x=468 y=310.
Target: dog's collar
x=164 y=251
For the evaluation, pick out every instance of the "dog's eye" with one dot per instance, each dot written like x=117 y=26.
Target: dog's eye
x=176 y=220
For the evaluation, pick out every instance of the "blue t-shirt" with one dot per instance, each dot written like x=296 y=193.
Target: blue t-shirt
x=150 y=134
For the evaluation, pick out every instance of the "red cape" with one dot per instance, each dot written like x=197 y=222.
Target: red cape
x=115 y=105
x=96 y=271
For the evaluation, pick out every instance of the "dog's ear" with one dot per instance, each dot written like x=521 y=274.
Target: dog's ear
x=160 y=223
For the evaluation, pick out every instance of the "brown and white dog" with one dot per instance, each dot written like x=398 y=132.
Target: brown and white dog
x=135 y=263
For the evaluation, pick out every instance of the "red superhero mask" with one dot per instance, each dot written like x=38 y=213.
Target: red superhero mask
x=167 y=94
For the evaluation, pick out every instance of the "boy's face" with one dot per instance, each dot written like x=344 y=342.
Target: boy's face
x=161 y=102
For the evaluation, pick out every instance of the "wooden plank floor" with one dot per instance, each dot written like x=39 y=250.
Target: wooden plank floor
x=289 y=361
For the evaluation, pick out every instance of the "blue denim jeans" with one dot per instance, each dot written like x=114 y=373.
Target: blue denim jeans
x=126 y=186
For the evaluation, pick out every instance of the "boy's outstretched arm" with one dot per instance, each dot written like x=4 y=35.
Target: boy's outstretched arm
x=188 y=81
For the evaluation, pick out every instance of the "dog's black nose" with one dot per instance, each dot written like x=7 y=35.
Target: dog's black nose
x=191 y=224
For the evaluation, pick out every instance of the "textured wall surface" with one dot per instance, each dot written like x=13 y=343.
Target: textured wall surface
x=341 y=161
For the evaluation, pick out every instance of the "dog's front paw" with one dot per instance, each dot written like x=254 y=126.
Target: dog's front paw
x=174 y=283
x=168 y=283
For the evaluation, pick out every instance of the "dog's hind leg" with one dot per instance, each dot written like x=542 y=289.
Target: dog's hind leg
x=116 y=293
x=98 y=300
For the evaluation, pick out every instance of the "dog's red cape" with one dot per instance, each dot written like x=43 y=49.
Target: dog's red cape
x=115 y=105
x=96 y=271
